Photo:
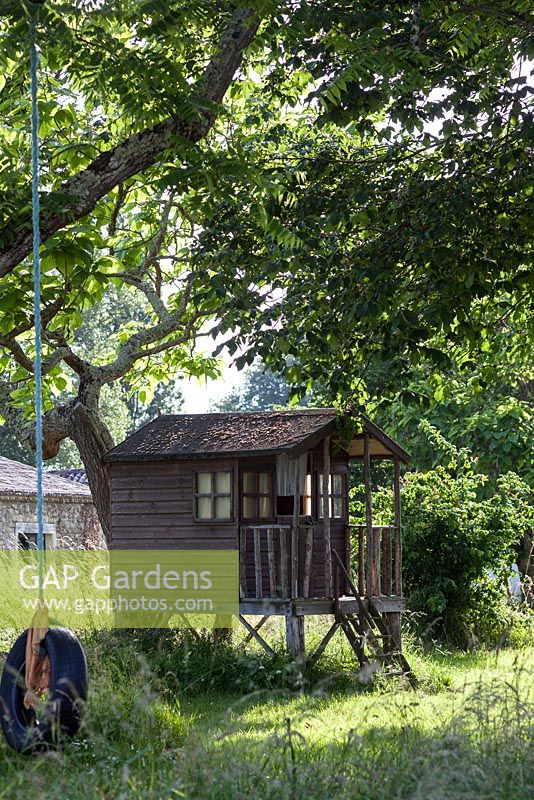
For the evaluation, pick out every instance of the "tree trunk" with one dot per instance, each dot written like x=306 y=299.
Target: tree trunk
x=83 y=424
x=92 y=438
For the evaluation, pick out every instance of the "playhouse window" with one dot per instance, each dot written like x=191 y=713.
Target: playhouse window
x=257 y=495
x=336 y=494
x=213 y=495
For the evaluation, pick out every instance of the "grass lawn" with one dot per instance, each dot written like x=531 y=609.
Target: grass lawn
x=173 y=718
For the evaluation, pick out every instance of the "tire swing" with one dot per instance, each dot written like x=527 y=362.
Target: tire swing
x=44 y=682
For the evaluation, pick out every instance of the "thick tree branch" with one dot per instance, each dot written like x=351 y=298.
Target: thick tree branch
x=141 y=150
x=137 y=346
x=17 y=352
x=187 y=336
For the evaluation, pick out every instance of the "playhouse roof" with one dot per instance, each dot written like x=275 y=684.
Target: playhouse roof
x=17 y=479
x=258 y=433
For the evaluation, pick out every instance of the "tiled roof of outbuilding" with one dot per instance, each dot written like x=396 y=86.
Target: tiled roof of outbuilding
x=17 y=478
x=74 y=475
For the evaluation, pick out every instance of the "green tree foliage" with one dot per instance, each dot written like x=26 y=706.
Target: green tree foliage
x=332 y=184
x=140 y=395
x=377 y=257
x=483 y=403
x=12 y=447
x=492 y=417
x=451 y=541
x=118 y=94
x=124 y=406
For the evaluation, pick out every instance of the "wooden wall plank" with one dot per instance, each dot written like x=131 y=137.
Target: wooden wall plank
x=202 y=535
x=152 y=482
x=308 y=563
x=168 y=543
x=284 y=558
x=156 y=507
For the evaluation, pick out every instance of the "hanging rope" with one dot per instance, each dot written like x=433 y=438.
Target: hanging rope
x=34 y=73
x=37 y=669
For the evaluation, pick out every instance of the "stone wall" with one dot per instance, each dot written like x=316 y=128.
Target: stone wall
x=69 y=522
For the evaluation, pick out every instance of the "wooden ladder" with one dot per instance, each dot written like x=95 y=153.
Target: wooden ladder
x=369 y=627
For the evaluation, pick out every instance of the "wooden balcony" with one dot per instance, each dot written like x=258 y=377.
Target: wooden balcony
x=288 y=563
x=379 y=559
x=282 y=561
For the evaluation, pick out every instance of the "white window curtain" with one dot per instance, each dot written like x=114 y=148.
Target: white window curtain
x=287 y=470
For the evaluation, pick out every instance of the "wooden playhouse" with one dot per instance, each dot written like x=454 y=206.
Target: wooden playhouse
x=256 y=482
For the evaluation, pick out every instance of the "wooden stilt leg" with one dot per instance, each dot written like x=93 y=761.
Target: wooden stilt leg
x=295 y=636
x=393 y=621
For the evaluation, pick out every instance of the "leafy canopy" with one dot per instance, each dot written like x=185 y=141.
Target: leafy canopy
x=366 y=189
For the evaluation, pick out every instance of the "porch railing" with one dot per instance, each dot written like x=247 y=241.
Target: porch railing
x=280 y=561
x=283 y=562
x=379 y=559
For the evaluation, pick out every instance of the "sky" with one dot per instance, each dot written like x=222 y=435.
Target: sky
x=199 y=394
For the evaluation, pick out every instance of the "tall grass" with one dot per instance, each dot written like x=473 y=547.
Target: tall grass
x=173 y=717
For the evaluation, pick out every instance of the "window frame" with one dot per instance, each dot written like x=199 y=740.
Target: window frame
x=213 y=495
x=31 y=529
x=342 y=495
x=256 y=495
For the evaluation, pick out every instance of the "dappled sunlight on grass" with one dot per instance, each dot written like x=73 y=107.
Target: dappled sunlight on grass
x=155 y=729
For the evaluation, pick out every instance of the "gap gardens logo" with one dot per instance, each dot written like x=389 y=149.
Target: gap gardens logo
x=120 y=588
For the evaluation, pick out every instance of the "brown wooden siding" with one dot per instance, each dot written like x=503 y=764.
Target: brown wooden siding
x=152 y=505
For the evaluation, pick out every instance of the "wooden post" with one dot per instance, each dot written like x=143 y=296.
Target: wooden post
x=308 y=562
x=361 y=561
x=295 y=635
x=394 y=620
x=384 y=534
x=271 y=561
x=257 y=562
x=387 y=562
x=398 y=528
x=336 y=594
x=370 y=590
x=376 y=561
x=295 y=534
x=326 y=518
x=243 y=561
x=348 y=553
x=294 y=624
x=284 y=582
